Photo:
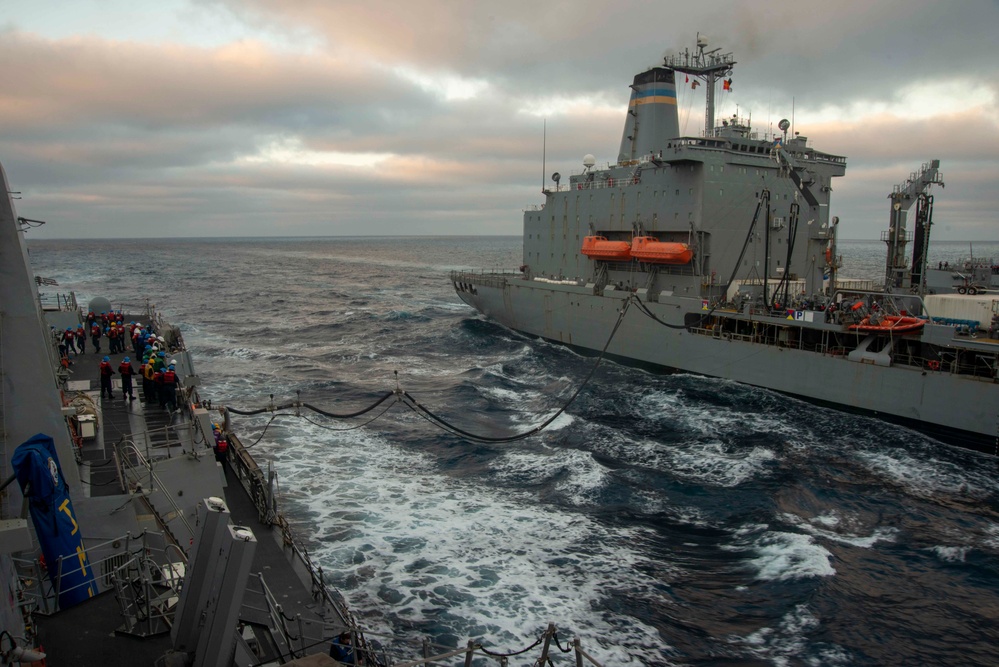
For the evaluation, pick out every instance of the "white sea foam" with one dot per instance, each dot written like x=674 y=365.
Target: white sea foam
x=991 y=536
x=783 y=645
x=711 y=463
x=951 y=554
x=407 y=540
x=782 y=556
x=832 y=527
x=927 y=476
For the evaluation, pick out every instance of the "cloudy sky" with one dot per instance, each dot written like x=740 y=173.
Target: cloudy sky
x=176 y=118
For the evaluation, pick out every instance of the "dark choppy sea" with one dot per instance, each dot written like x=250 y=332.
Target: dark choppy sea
x=665 y=519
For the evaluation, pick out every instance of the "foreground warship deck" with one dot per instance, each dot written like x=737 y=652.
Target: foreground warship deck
x=168 y=467
x=161 y=554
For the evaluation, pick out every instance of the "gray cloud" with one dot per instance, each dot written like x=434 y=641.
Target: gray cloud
x=111 y=138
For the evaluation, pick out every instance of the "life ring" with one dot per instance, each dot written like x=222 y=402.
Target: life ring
x=933 y=365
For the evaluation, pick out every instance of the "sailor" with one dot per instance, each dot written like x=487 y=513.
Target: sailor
x=159 y=360
x=137 y=340
x=106 y=373
x=221 y=444
x=169 y=397
x=95 y=336
x=69 y=342
x=158 y=387
x=114 y=339
x=341 y=649
x=148 y=388
x=81 y=338
x=126 y=370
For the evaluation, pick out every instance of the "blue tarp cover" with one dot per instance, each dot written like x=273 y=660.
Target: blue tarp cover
x=36 y=465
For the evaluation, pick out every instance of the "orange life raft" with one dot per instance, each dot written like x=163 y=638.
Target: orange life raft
x=598 y=247
x=651 y=249
x=889 y=324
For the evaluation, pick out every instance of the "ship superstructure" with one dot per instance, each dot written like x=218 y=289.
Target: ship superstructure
x=725 y=245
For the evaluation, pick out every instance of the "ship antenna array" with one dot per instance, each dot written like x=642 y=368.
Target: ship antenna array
x=706 y=65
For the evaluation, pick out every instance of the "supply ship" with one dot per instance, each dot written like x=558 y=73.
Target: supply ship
x=136 y=534
x=717 y=255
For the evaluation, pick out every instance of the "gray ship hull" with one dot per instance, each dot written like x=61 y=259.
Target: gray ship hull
x=954 y=407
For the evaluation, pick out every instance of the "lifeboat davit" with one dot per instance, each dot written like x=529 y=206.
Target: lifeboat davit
x=598 y=247
x=651 y=249
x=889 y=324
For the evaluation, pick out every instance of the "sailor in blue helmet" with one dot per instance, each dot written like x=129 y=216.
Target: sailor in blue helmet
x=106 y=373
x=126 y=370
x=95 y=336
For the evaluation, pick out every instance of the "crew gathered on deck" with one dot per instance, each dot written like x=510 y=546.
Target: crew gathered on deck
x=158 y=373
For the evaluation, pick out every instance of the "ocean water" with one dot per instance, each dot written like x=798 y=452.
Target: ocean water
x=664 y=519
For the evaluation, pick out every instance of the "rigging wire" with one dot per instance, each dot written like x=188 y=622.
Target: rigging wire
x=419 y=409
x=297 y=404
x=267 y=426
x=351 y=428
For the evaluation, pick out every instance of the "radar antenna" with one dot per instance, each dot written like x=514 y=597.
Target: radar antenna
x=706 y=65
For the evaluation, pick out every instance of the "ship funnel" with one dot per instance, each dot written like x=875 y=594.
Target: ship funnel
x=652 y=118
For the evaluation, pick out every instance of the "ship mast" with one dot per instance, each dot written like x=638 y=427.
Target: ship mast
x=705 y=65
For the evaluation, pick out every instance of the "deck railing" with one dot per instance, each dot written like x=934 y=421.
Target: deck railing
x=113 y=558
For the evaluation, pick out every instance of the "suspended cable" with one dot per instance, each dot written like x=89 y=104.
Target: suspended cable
x=298 y=404
x=415 y=405
x=351 y=428
x=267 y=426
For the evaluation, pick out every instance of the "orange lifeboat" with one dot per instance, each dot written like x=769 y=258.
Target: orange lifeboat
x=651 y=249
x=598 y=247
x=889 y=324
